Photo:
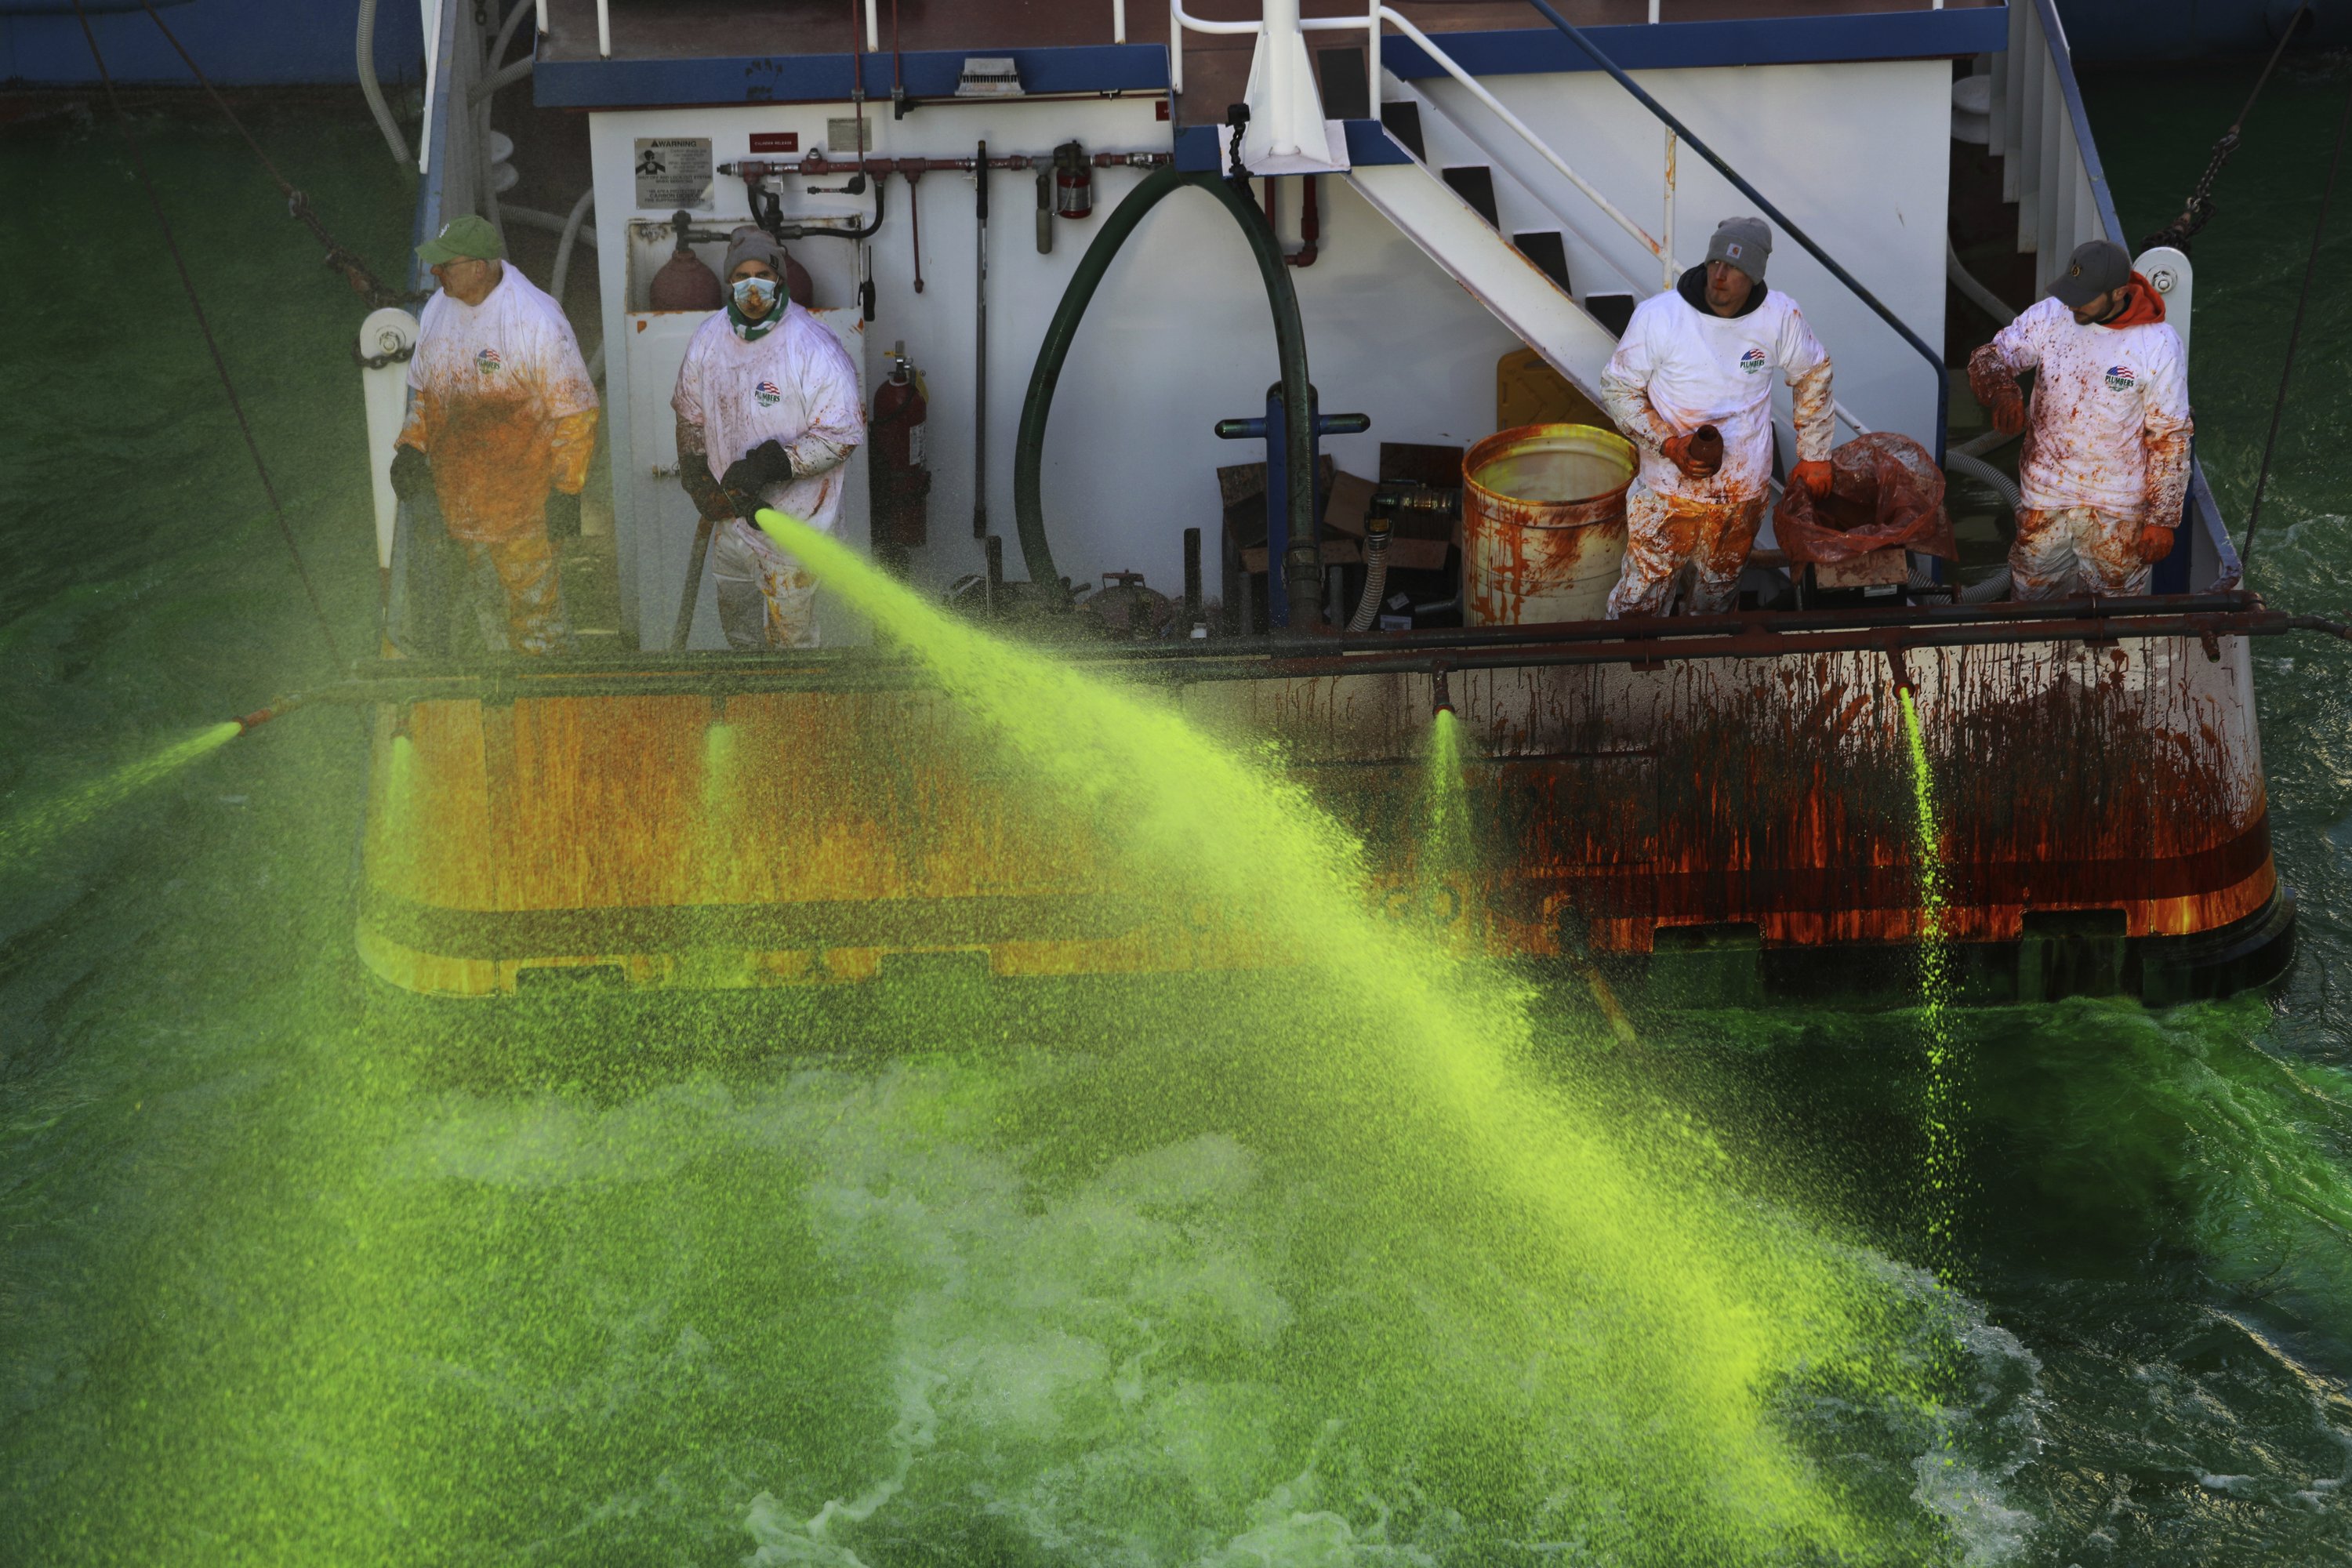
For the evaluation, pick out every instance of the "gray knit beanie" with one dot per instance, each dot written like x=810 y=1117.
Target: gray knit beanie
x=1745 y=243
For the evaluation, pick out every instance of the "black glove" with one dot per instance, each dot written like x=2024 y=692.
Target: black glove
x=765 y=464
x=562 y=515
x=411 y=475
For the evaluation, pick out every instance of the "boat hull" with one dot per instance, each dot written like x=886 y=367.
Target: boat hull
x=1720 y=830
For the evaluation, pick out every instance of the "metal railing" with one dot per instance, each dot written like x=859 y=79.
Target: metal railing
x=1377 y=15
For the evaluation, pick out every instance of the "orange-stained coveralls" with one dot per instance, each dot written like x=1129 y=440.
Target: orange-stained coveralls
x=1679 y=367
x=2105 y=467
x=505 y=412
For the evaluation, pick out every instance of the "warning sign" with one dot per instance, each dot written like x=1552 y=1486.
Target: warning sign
x=674 y=172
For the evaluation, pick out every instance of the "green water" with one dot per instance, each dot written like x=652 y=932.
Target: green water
x=297 y=1273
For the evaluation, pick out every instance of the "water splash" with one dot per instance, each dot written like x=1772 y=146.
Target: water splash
x=1940 y=1163
x=27 y=835
x=1618 y=1330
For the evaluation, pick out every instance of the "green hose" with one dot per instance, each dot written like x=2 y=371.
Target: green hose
x=1290 y=339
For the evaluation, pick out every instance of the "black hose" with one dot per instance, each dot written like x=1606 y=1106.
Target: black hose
x=1290 y=339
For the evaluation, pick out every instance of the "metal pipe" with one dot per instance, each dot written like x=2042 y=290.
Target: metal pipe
x=404 y=681
x=692 y=596
x=1195 y=624
x=980 y=353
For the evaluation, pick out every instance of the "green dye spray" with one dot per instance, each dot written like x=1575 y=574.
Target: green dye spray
x=1444 y=858
x=37 y=831
x=1940 y=1171
x=1553 y=1299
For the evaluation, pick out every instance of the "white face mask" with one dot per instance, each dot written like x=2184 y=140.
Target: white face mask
x=756 y=293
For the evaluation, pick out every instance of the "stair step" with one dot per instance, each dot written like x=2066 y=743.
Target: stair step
x=1614 y=311
x=1548 y=251
x=1403 y=122
x=1347 y=91
x=1474 y=183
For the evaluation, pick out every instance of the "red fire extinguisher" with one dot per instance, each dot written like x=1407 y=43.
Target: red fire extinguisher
x=900 y=466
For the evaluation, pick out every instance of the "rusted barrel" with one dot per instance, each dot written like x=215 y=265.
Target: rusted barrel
x=1543 y=524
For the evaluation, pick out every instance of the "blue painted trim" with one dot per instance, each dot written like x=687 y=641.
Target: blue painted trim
x=2062 y=61
x=826 y=79
x=1668 y=45
x=1200 y=148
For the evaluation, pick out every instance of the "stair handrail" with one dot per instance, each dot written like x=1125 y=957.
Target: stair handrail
x=1662 y=249
x=1739 y=182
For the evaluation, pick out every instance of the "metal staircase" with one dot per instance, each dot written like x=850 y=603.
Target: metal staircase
x=1454 y=206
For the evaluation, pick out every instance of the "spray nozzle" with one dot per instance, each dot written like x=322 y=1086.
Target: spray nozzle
x=1441 y=693
x=1902 y=673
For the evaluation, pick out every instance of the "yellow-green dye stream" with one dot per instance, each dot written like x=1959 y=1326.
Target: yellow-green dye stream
x=1555 y=1304
x=1940 y=1159
x=35 y=831
x=1443 y=854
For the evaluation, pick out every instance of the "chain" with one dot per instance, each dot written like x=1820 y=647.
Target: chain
x=400 y=355
x=2200 y=209
x=363 y=282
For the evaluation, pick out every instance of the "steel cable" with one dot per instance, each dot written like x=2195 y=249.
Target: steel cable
x=2294 y=333
x=2201 y=209
x=356 y=272
x=203 y=324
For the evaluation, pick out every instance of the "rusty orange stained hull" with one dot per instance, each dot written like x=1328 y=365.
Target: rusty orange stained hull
x=822 y=832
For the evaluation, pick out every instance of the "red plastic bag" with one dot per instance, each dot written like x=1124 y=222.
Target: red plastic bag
x=1885 y=491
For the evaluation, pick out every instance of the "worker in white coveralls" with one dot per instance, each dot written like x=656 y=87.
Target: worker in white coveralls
x=768 y=412
x=2105 y=468
x=501 y=429
x=1691 y=386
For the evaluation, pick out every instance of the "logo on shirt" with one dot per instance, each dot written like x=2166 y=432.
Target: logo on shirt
x=1752 y=361
x=767 y=394
x=2121 y=378
x=488 y=362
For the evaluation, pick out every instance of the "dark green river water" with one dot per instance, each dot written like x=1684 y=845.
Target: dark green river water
x=292 y=1272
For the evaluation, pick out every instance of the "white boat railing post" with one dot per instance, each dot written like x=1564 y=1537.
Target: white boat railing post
x=1666 y=256
x=1118 y=21
x=604 y=29
x=872 y=27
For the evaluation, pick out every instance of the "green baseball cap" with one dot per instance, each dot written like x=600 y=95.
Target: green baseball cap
x=460 y=237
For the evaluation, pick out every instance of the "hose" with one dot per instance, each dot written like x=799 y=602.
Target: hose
x=1290 y=339
x=553 y=223
x=373 y=91
x=572 y=232
x=503 y=76
x=1959 y=460
x=1974 y=292
x=1376 y=575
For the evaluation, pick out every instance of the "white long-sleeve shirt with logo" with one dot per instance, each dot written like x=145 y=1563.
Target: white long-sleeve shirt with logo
x=2109 y=425
x=1678 y=367
x=503 y=407
x=794 y=385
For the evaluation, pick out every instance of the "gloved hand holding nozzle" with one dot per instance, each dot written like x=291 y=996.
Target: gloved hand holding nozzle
x=1698 y=454
x=764 y=465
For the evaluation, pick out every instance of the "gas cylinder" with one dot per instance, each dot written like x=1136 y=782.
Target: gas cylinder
x=684 y=283
x=897 y=461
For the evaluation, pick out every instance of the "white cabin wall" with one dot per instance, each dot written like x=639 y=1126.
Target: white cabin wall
x=1179 y=335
